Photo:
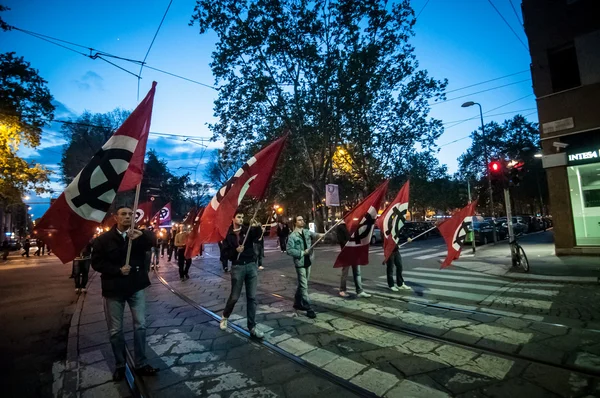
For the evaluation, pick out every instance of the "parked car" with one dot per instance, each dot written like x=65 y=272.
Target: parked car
x=377 y=236
x=14 y=244
x=519 y=227
x=484 y=232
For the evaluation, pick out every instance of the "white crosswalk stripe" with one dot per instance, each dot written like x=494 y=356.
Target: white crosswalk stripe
x=438 y=254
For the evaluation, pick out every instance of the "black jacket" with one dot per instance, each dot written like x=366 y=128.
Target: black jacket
x=108 y=256
x=231 y=243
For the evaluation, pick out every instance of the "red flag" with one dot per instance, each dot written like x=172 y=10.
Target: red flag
x=392 y=220
x=193 y=246
x=251 y=179
x=142 y=214
x=273 y=223
x=454 y=231
x=71 y=221
x=360 y=222
x=190 y=217
x=163 y=216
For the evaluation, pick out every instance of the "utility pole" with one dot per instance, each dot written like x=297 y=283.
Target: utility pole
x=472 y=222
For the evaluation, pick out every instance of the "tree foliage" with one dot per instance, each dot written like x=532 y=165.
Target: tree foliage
x=332 y=72
x=25 y=107
x=85 y=136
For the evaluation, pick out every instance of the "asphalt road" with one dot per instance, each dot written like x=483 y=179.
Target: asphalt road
x=37 y=300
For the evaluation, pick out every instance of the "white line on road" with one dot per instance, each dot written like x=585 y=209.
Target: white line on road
x=438 y=254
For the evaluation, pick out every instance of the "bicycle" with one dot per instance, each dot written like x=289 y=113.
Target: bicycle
x=519 y=258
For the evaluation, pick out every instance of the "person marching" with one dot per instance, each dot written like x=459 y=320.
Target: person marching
x=239 y=246
x=183 y=263
x=298 y=247
x=343 y=238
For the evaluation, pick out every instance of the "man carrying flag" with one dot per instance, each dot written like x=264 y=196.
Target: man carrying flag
x=74 y=217
x=454 y=231
x=390 y=224
x=359 y=222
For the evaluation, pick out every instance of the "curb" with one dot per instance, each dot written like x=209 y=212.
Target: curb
x=516 y=276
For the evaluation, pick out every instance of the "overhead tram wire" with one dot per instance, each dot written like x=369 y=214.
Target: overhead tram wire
x=495 y=114
x=150 y=47
x=96 y=54
x=487 y=81
x=422 y=9
x=479 y=92
x=515 y=11
x=510 y=27
x=469 y=136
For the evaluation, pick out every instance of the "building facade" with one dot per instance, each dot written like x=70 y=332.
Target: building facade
x=564 y=43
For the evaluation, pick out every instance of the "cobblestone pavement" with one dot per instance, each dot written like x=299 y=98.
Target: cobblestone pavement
x=195 y=357
x=391 y=363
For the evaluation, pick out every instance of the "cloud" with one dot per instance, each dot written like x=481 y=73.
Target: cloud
x=62 y=111
x=90 y=80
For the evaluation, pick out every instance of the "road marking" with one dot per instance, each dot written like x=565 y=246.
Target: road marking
x=438 y=254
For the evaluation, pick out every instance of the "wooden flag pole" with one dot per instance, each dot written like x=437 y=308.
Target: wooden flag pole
x=248 y=233
x=416 y=237
x=132 y=227
x=326 y=232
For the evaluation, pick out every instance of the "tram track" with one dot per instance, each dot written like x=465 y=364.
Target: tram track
x=425 y=335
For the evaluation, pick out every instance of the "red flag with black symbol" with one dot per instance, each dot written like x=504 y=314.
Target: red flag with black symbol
x=251 y=179
x=392 y=220
x=193 y=246
x=72 y=219
x=142 y=214
x=273 y=224
x=163 y=216
x=454 y=231
x=360 y=222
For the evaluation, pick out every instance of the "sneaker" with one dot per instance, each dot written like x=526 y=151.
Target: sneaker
x=404 y=287
x=311 y=314
x=146 y=370
x=226 y=270
x=394 y=289
x=84 y=290
x=260 y=267
x=343 y=294
x=363 y=295
x=182 y=279
x=152 y=267
x=223 y=324
x=187 y=277
x=77 y=291
x=256 y=333
x=300 y=308
x=119 y=374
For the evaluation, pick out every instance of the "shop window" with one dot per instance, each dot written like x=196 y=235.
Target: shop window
x=564 y=68
x=584 y=184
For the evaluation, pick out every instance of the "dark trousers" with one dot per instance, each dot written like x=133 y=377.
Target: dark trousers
x=243 y=274
x=283 y=242
x=259 y=252
x=170 y=250
x=41 y=249
x=81 y=269
x=395 y=260
x=26 y=252
x=184 y=263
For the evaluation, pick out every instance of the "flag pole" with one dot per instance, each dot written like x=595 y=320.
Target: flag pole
x=326 y=232
x=418 y=236
x=132 y=227
x=246 y=237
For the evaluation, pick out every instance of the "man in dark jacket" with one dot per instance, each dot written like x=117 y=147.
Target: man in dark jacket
x=124 y=283
x=240 y=251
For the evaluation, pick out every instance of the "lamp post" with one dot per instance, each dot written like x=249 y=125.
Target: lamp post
x=486 y=160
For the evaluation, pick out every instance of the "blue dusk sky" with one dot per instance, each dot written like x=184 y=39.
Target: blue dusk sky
x=465 y=41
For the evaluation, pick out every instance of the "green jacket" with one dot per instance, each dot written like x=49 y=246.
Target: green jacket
x=295 y=247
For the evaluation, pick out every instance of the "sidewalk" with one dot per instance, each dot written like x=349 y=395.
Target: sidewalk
x=543 y=263
x=194 y=356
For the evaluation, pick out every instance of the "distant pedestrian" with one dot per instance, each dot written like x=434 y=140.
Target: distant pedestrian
x=171 y=245
x=124 y=283
x=343 y=238
x=5 y=249
x=40 y=247
x=239 y=246
x=283 y=232
x=183 y=263
x=81 y=266
x=154 y=259
x=26 y=247
x=298 y=247
x=395 y=261
x=259 y=248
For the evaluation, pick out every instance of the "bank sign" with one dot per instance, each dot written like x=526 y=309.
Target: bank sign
x=583 y=156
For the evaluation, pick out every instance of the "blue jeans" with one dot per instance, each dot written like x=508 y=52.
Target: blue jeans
x=114 y=308
x=357 y=278
x=301 y=298
x=154 y=258
x=243 y=274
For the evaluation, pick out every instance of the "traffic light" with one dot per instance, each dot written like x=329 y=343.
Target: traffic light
x=516 y=171
x=496 y=167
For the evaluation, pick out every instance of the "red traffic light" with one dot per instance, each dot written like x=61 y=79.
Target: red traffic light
x=495 y=167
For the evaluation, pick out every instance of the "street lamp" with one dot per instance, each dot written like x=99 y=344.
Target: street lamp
x=485 y=152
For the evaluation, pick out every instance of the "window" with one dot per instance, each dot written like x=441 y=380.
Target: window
x=584 y=184
x=564 y=69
